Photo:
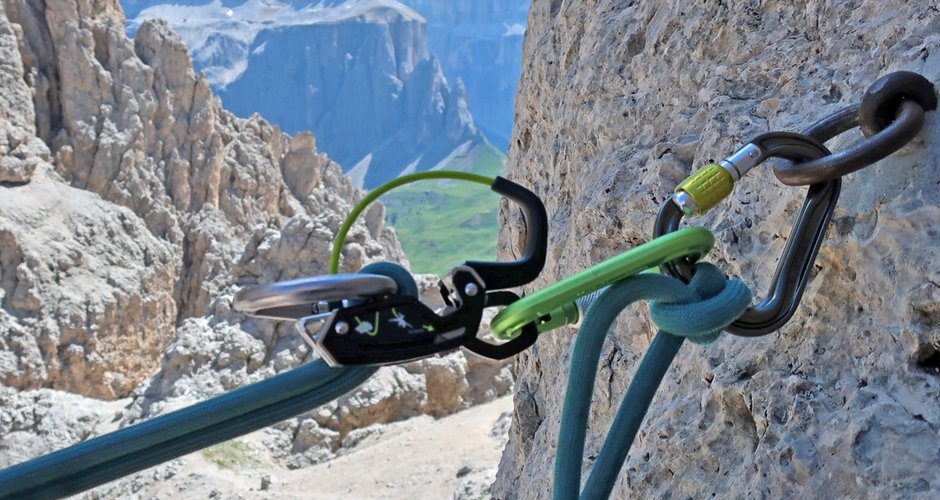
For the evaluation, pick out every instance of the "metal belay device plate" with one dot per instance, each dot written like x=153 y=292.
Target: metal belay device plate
x=294 y=299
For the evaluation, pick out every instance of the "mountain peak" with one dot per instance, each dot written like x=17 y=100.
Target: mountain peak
x=219 y=32
x=381 y=11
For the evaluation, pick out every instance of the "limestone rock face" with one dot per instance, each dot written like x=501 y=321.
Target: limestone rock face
x=35 y=422
x=153 y=200
x=19 y=147
x=88 y=291
x=618 y=102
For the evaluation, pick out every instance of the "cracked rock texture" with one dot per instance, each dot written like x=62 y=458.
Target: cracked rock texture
x=618 y=102
x=132 y=208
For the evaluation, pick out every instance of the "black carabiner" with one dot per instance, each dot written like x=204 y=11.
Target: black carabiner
x=500 y=275
x=809 y=229
x=527 y=336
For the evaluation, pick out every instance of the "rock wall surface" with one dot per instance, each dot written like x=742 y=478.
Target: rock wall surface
x=132 y=208
x=618 y=102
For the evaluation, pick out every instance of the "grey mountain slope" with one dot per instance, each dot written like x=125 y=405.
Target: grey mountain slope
x=480 y=42
x=363 y=88
x=356 y=73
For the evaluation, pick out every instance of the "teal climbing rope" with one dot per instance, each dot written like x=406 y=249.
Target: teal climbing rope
x=697 y=311
x=238 y=412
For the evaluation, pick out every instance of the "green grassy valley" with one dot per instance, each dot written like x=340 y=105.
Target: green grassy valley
x=443 y=223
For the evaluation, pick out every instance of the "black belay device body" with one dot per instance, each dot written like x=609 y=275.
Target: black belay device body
x=365 y=319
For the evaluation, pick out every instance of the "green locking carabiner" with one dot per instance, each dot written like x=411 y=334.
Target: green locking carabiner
x=554 y=306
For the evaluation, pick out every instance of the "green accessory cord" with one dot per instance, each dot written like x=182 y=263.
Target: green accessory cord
x=388 y=186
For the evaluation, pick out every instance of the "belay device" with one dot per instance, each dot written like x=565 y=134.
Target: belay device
x=385 y=324
x=365 y=319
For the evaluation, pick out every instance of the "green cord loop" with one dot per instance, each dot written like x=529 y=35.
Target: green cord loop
x=388 y=186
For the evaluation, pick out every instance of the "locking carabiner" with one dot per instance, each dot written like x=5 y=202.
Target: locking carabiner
x=890 y=115
x=705 y=188
x=558 y=304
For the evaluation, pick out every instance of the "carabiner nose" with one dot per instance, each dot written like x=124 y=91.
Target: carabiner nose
x=715 y=182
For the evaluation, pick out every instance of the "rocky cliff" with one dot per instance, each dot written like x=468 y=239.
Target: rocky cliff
x=618 y=102
x=147 y=199
x=480 y=42
x=356 y=72
x=132 y=208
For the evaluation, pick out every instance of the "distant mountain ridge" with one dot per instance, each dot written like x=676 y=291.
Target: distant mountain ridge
x=480 y=42
x=232 y=25
x=357 y=73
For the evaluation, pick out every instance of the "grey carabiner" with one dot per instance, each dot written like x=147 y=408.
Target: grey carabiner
x=796 y=262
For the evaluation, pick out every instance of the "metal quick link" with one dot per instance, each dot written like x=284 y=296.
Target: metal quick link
x=890 y=115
